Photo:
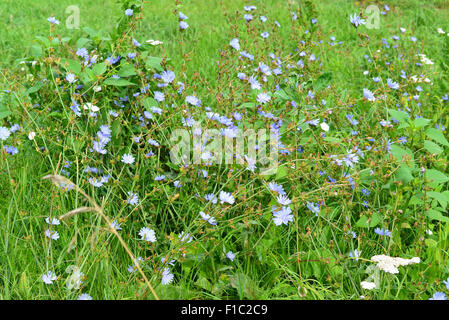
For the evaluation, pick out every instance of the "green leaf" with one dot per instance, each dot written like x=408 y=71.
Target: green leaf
x=247 y=105
x=401 y=116
x=332 y=139
x=245 y=285
x=401 y=153
x=4 y=111
x=149 y=102
x=88 y=76
x=35 y=88
x=404 y=174
x=127 y=70
x=420 y=122
x=436 y=176
x=118 y=82
x=82 y=42
x=437 y=135
x=322 y=81
x=36 y=51
x=43 y=41
x=364 y=222
x=436 y=215
x=99 y=68
x=281 y=94
x=71 y=66
x=281 y=172
x=430 y=243
x=440 y=197
x=432 y=147
x=155 y=63
x=91 y=32
x=204 y=284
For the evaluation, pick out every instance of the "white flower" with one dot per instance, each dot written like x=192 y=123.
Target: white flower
x=85 y=296
x=115 y=225
x=91 y=107
x=282 y=216
x=226 y=197
x=324 y=126
x=390 y=264
x=208 y=218
x=167 y=277
x=52 y=221
x=424 y=59
x=368 y=285
x=48 y=277
x=132 y=269
x=96 y=88
x=235 y=44
x=230 y=255
x=147 y=234
x=440 y=31
x=263 y=97
x=4 y=133
x=31 y=135
x=154 y=42
x=283 y=200
x=52 y=235
x=128 y=158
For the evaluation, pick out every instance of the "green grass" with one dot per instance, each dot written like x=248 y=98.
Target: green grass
x=272 y=262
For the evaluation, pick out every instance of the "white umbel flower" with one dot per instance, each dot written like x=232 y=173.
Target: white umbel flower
x=368 y=285
x=390 y=264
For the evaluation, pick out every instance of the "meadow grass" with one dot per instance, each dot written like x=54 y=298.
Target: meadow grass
x=308 y=259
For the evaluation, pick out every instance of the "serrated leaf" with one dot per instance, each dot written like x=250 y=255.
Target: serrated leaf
x=420 y=122
x=364 y=221
x=322 y=81
x=437 y=135
x=148 y=103
x=436 y=176
x=82 y=42
x=401 y=153
x=281 y=94
x=99 y=68
x=432 y=147
x=35 y=88
x=4 y=111
x=440 y=197
x=401 y=116
x=281 y=172
x=404 y=174
x=127 y=70
x=436 y=215
x=155 y=63
x=71 y=66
